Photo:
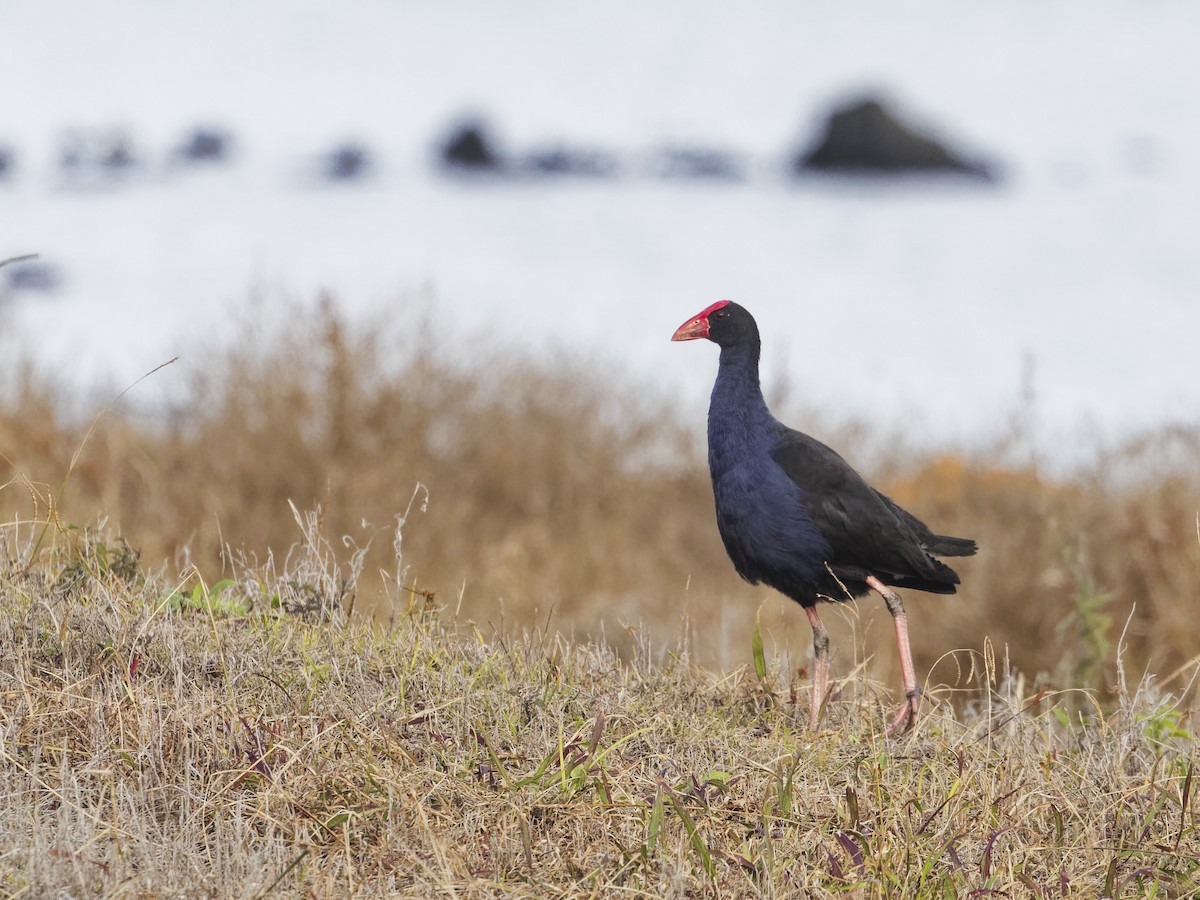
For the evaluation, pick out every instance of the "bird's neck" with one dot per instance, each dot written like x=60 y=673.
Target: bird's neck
x=737 y=410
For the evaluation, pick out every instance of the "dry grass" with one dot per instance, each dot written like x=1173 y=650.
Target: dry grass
x=555 y=497
x=163 y=738
x=220 y=717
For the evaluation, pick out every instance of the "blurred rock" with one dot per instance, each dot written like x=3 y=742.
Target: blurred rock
x=116 y=153
x=33 y=276
x=697 y=162
x=8 y=162
x=97 y=157
x=72 y=150
x=567 y=161
x=205 y=145
x=867 y=137
x=348 y=162
x=470 y=148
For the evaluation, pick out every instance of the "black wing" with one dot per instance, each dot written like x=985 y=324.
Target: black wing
x=937 y=544
x=868 y=534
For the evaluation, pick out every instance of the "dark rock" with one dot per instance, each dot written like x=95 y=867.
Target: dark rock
x=565 y=161
x=72 y=152
x=8 y=162
x=205 y=145
x=33 y=275
x=97 y=157
x=866 y=137
x=470 y=148
x=698 y=163
x=116 y=153
x=347 y=163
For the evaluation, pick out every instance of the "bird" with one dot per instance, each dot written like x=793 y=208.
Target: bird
x=794 y=515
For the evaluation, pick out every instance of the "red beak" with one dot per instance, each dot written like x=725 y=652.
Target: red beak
x=696 y=327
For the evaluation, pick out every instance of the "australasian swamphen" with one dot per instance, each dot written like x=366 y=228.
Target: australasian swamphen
x=793 y=514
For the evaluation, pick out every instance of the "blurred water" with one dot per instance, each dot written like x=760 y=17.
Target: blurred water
x=919 y=303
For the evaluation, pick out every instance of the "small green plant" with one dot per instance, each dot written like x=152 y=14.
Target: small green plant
x=1090 y=624
x=221 y=600
x=1164 y=723
x=95 y=559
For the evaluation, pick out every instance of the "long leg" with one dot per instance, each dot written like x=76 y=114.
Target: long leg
x=820 y=665
x=912 y=696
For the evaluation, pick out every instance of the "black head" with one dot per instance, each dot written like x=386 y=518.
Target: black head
x=725 y=323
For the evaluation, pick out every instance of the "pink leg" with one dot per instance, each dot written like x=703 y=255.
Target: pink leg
x=907 y=715
x=820 y=665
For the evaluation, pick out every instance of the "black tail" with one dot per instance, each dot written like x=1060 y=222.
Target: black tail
x=942 y=545
x=943 y=581
x=935 y=544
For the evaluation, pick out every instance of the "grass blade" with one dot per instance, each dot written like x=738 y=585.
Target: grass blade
x=697 y=840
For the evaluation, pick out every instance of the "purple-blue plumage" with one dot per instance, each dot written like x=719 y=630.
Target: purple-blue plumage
x=792 y=513
x=796 y=516
x=762 y=514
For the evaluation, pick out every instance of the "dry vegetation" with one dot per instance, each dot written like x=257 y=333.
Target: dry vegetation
x=213 y=740
x=249 y=707
x=555 y=497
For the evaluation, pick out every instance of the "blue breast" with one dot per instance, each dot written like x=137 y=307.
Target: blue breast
x=761 y=513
